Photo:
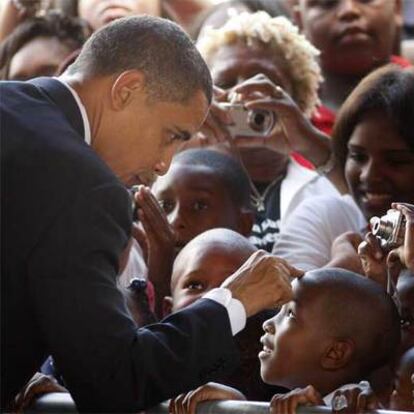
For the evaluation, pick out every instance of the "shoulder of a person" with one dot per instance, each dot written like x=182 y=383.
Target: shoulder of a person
x=309 y=177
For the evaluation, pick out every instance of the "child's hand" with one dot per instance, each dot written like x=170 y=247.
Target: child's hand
x=39 y=384
x=405 y=254
x=355 y=399
x=288 y=403
x=373 y=259
x=186 y=403
x=160 y=243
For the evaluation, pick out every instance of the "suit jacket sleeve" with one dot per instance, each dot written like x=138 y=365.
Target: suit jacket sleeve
x=107 y=363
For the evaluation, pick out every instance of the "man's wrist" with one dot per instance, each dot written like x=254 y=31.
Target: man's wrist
x=234 y=307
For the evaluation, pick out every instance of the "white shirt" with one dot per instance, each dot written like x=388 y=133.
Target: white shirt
x=306 y=240
x=234 y=307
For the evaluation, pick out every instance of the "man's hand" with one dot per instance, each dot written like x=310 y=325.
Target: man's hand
x=288 y=403
x=262 y=282
x=186 y=403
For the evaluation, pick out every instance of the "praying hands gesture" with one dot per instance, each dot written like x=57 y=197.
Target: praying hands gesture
x=159 y=244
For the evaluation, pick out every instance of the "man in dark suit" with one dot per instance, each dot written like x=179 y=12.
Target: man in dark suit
x=69 y=145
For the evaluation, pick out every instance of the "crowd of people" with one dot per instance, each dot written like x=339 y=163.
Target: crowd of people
x=207 y=201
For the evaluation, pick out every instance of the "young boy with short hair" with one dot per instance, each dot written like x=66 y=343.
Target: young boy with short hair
x=204 y=189
x=338 y=328
x=202 y=265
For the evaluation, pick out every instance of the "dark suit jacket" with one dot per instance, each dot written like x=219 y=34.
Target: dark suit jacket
x=65 y=220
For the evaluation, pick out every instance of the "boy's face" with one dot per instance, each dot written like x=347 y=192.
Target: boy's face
x=294 y=340
x=354 y=36
x=195 y=200
x=200 y=269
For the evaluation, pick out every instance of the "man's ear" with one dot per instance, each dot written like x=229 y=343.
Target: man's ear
x=338 y=354
x=125 y=88
x=245 y=224
x=167 y=305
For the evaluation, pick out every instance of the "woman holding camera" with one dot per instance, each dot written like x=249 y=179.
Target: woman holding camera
x=251 y=58
x=373 y=150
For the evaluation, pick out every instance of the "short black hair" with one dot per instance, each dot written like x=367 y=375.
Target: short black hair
x=228 y=169
x=174 y=69
x=357 y=307
x=71 y=31
x=389 y=89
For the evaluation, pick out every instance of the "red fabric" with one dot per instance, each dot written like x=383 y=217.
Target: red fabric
x=399 y=60
x=324 y=118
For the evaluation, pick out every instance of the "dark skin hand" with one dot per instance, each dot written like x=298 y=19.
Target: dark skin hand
x=293 y=131
x=160 y=244
x=38 y=385
x=187 y=403
x=288 y=403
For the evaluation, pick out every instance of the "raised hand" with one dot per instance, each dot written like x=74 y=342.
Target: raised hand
x=160 y=244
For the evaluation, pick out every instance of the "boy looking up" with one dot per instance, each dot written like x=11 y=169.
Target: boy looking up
x=338 y=328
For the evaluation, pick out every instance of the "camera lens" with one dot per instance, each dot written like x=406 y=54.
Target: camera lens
x=260 y=121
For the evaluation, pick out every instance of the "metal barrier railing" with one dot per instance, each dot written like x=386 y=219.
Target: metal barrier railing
x=63 y=403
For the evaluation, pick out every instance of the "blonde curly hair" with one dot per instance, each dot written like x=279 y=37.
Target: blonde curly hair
x=280 y=35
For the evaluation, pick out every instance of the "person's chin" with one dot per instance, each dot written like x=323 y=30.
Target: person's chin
x=375 y=206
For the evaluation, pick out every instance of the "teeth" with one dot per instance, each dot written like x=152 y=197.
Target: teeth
x=266 y=349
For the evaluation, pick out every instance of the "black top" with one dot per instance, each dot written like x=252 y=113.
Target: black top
x=65 y=221
x=266 y=227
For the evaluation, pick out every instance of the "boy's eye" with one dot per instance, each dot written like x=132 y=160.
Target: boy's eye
x=166 y=205
x=200 y=205
x=194 y=285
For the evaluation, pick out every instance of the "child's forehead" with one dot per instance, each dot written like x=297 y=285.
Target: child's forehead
x=207 y=255
x=194 y=176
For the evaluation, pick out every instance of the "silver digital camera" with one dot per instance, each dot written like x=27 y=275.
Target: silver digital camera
x=390 y=229
x=249 y=123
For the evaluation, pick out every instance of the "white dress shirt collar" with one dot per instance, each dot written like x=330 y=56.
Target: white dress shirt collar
x=86 y=125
